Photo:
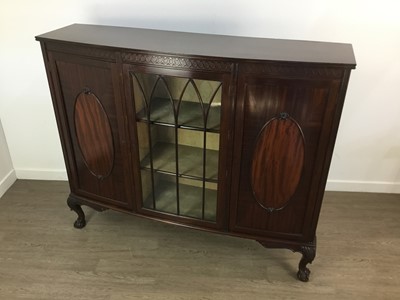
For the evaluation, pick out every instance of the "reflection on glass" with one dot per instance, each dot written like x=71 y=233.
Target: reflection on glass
x=178 y=121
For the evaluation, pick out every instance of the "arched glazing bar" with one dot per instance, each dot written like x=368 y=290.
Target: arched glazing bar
x=180 y=118
x=206 y=114
x=176 y=126
x=147 y=114
x=203 y=193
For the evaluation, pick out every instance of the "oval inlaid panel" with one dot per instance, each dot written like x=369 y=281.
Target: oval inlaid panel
x=277 y=162
x=94 y=134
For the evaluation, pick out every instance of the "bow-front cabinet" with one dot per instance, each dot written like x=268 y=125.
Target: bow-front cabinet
x=226 y=134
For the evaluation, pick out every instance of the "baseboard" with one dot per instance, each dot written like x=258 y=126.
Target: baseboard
x=332 y=185
x=41 y=174
x=363 y=186
x=7 y=182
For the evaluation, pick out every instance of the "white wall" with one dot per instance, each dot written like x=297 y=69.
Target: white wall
x=367 y=153
x=7 y=173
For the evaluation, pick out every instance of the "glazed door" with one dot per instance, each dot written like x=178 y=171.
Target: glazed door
x=179 y=119
x=91 y=123
x=282 y=133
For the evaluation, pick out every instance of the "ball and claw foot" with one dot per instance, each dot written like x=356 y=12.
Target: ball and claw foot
x=76 y=207
x=308 y=253
x=304 y=275
x=80 y=223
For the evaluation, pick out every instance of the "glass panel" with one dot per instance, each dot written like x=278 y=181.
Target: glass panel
x=191 y=199
x=177 y=124
x=191 y=154
x=153 y=100
x=163 y=156
x=142 y=87
x=164 y=196
x=190 y=151
x=194 y=102
x=147 y=189
x=214 y=109
x=212 y=155
x=191 y=111
x=200 y=105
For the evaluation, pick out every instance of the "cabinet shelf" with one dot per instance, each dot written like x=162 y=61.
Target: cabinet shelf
x=190 y=200
x=190 y=115
x=190 y=161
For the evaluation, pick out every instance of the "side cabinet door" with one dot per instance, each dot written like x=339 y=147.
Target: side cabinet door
x=283 y=129
x=91 y=123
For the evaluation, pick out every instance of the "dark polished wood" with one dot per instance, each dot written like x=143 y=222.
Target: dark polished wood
x=75 y=205
x=281 y=103
x=277 y=162
x=308 y=252
x=94 y=134
x=94 y=128
x=311 y=103
x=208 y=45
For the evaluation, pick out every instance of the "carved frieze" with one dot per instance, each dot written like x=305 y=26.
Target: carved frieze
x=177 y=62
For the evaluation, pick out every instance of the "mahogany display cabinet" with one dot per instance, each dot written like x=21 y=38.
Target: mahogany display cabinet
x=226 y=134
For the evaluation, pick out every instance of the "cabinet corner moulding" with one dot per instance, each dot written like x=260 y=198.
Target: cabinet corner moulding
x=181 y=128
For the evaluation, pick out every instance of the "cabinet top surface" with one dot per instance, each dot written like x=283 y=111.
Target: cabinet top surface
x=198 y=44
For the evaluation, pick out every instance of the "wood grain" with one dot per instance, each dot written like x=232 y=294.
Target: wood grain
x=260 y=100
x=91 y=107
x=267 y=77
x=122 y=257
x=277 y=163
x=94 y=134
x=203 y=44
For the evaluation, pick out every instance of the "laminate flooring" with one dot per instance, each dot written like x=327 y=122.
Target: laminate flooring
x=118 y=256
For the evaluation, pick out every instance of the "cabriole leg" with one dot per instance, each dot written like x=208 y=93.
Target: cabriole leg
x=76 y=207
x=308 y=252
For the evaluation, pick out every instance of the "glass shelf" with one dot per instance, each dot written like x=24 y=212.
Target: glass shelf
x=190 y=161
x=190 y=115
x=190 y=200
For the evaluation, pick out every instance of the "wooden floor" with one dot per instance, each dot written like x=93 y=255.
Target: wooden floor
x=123 y=257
